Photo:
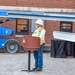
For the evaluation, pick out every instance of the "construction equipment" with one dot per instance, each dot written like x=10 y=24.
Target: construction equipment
x=9 y=45
x=12 y=45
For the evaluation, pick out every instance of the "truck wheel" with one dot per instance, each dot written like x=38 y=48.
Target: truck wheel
x=12 y=46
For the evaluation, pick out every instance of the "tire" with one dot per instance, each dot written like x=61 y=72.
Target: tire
x=12 y=46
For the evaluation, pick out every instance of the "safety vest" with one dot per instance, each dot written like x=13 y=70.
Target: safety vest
x=40 y=32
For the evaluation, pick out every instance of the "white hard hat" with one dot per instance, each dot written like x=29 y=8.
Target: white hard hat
x=39 y=21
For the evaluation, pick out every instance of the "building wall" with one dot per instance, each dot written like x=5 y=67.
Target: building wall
x=50 y=26
x=40 y=3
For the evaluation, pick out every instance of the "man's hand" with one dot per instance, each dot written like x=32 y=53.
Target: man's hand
x=47 y=44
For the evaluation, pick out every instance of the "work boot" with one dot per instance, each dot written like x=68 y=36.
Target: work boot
x=34 y=69
x=39 y=69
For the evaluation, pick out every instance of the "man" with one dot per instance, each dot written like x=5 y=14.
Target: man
x=38 y=55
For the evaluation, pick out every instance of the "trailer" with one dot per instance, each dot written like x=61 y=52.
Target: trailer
x=12 y=45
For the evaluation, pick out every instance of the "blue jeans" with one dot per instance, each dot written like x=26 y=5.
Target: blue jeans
x=38 y=56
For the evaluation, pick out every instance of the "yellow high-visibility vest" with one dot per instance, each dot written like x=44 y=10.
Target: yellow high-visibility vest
x=40 y=32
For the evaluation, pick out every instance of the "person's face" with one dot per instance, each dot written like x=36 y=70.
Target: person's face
x=37 y=25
